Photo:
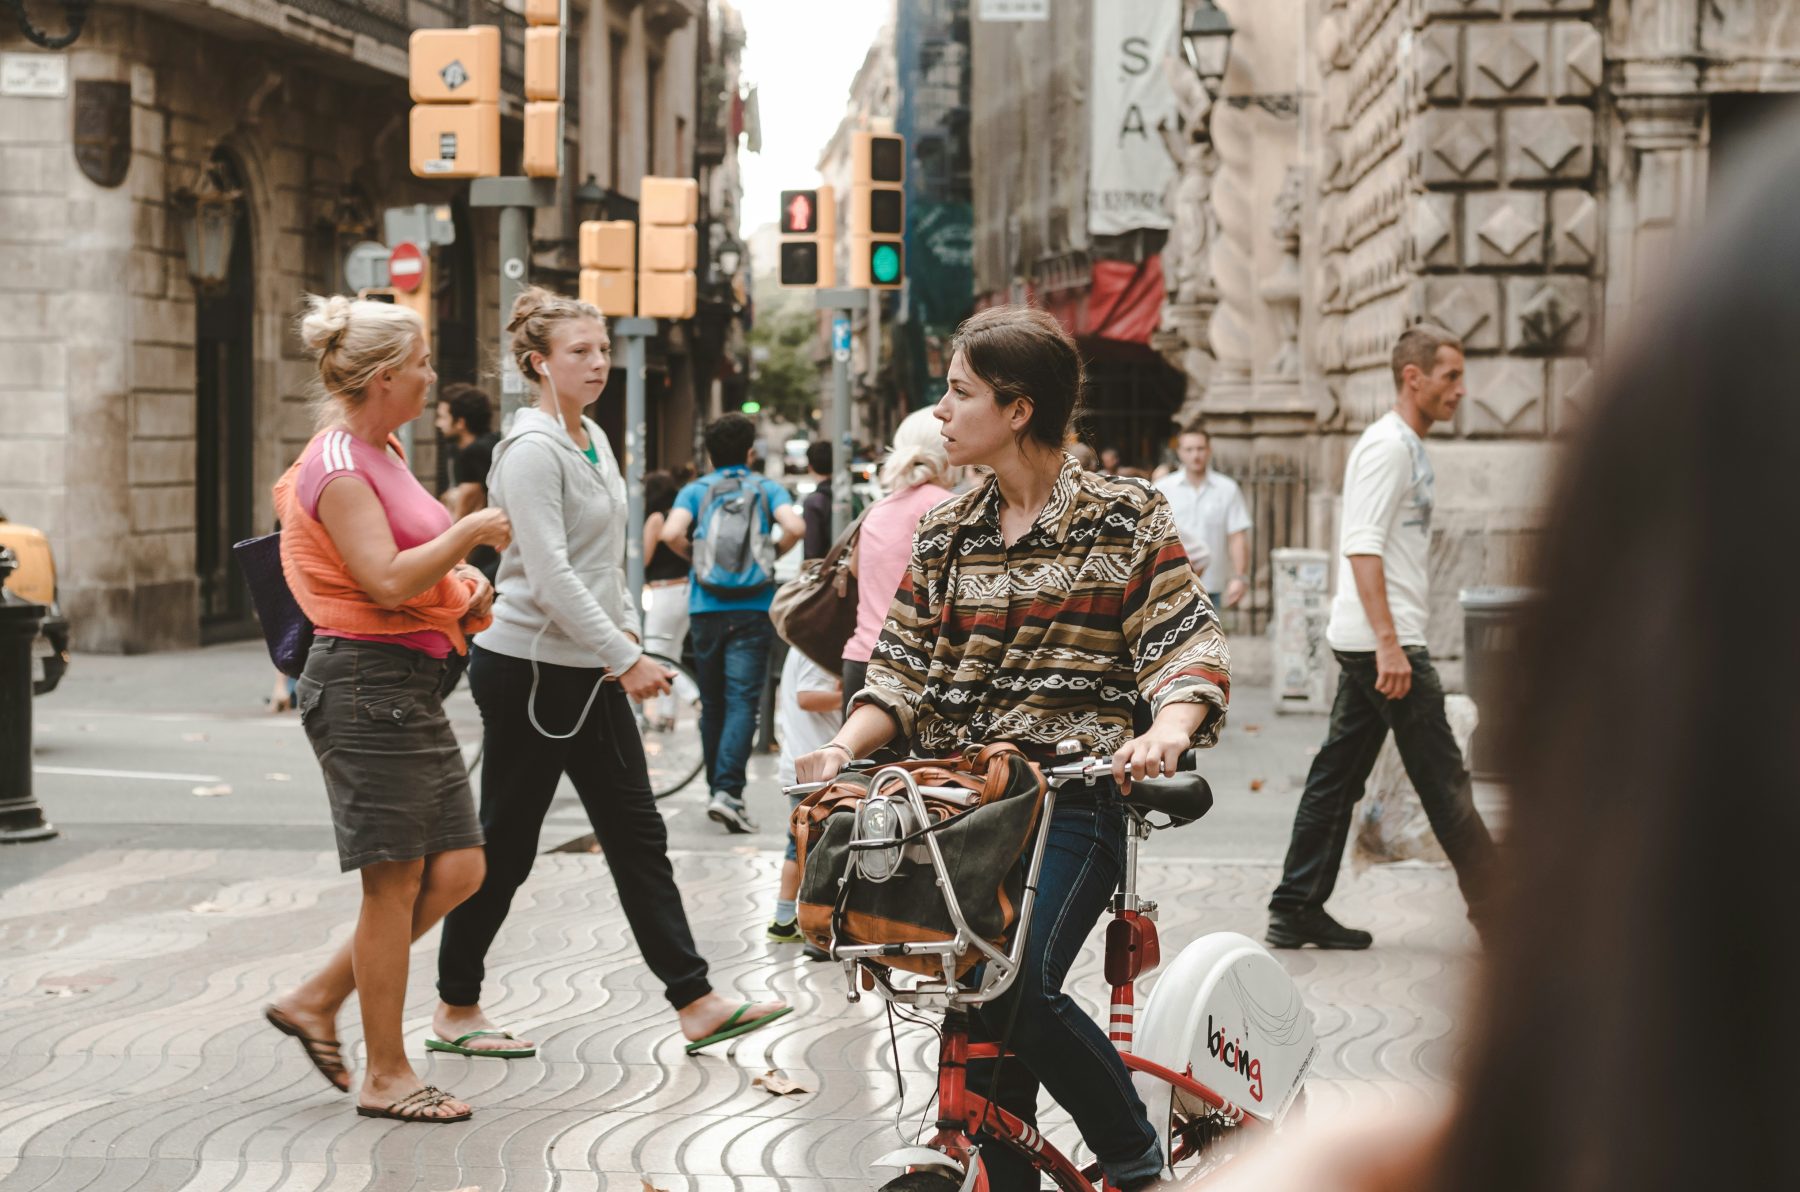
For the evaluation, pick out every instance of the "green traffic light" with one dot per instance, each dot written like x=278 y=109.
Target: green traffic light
x=884 y=264
x=751 y=407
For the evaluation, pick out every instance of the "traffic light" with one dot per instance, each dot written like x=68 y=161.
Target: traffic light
x=668 y=248
x=877 y=211
x=454 y=77
x=544 y=55
x=808 y=238
x=608 y=268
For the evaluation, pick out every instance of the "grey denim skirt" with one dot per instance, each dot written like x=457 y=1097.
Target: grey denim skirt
x=393 y=771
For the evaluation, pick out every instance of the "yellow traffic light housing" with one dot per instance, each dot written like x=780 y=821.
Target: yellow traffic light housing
x=454 y=78
x=878 y=211
x=608 y=273
x=455 y=65
x=668 y=248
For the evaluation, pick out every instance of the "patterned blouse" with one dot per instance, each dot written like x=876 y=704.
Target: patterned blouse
x=1057 y=636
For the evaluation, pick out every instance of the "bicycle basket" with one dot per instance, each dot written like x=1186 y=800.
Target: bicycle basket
x=889 y=895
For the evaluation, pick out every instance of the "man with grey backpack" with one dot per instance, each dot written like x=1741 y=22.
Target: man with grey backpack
x=734 y=524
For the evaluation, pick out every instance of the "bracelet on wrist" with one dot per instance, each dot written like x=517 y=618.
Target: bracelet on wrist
x=848 y=756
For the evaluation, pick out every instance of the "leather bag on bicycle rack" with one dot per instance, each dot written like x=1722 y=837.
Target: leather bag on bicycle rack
x=981 y=845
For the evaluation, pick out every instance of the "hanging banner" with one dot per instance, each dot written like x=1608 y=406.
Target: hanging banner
x=1130 y=103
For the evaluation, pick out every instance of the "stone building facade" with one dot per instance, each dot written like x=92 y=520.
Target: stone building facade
x=142 y=424
x=1516 y=170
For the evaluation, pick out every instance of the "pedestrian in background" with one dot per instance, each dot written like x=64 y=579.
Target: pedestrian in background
x=376 y=562
x=1387 y=683
x=465 y=419
x=553 y=679
x=815 y=507
x=665 y=571
x=808 y=710
x=916 y=475
x=1211 y=517
x=733 y=515
x=1637 y=969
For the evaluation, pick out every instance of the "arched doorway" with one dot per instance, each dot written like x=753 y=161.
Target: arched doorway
x=224 y=431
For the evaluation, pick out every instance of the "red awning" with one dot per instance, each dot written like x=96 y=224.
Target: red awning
x=1122 y=302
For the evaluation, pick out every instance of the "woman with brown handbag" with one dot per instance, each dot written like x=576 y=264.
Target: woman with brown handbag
x=915 y=475
x=1044 y=605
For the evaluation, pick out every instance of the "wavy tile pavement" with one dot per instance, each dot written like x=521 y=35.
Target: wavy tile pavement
x=135 y=1055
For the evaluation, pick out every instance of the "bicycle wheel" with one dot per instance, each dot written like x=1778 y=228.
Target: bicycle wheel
x=670 y=726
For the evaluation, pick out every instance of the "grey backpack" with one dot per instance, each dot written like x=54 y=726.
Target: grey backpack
x=733 y=550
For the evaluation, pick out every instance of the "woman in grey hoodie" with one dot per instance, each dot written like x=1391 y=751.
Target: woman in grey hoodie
x=552 y=678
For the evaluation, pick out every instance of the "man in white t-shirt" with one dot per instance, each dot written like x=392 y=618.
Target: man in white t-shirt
x=1211 y=518
x=1377 y=632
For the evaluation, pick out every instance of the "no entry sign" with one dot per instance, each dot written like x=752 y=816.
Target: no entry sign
x=406 y=267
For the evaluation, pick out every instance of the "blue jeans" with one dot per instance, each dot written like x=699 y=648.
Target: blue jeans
x=731 y=664
x=1053 y=1040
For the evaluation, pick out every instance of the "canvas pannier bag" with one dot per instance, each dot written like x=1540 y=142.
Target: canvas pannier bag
x=815 y=612
x=981 y=844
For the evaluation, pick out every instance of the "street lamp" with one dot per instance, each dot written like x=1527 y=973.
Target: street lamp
x=209 y=216
x=1206 y=42
x=589 y=198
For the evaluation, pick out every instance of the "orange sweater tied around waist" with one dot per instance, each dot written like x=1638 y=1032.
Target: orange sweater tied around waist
x=330 y=596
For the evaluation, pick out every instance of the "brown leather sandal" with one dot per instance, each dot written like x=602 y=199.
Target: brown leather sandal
x=326 y=1054
x=413 y=1107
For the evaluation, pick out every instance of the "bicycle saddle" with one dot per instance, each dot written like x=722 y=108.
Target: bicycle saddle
x=1183 y=797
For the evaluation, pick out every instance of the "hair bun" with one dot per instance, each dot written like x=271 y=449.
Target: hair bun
x=325 y=321
x=531 y=300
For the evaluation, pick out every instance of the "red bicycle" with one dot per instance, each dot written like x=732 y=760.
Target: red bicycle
x=1220 y=1052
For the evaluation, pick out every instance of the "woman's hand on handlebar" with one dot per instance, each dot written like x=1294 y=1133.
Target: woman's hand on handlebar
x=821 y=765
x=1156 y=754
x=646 y=679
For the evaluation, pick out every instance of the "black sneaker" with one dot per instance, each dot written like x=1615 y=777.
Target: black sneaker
x=1296 y=929
x=785 y=933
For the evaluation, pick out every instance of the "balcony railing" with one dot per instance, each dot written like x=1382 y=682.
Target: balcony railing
x=392 y=22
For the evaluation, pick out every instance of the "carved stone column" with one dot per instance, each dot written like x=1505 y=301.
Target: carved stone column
x=1658 y=188
x=1184 y=338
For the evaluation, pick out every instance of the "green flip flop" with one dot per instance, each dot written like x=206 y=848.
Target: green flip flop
x=500 y=1053
x=733 y=1028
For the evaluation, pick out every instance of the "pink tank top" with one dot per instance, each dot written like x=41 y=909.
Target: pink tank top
x=414 y=516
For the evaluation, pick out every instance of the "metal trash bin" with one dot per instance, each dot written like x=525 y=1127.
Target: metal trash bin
x=1491 y=617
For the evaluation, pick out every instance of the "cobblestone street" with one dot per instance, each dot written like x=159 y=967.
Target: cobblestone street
x=136 y=1056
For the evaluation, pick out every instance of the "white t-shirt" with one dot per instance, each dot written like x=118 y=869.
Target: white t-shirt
x=1387 y=512
x=1206 y=517
x=801 y=732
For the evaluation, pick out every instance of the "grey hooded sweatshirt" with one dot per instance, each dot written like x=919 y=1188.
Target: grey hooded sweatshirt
x=564 y=573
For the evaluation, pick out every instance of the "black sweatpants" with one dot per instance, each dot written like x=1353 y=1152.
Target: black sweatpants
x=520 y=771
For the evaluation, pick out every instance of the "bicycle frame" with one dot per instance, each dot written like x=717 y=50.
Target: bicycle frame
x=1131 y=949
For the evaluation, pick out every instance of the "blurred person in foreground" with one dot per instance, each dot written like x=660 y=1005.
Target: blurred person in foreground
x=1631 y=1030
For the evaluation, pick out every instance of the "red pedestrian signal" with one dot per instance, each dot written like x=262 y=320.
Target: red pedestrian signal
x=809 y=238
x=799 y=212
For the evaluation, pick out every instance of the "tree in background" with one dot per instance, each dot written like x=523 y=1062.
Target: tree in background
x=785 y=380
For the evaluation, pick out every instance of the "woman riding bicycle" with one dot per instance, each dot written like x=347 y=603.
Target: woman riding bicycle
x=1044 y=605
